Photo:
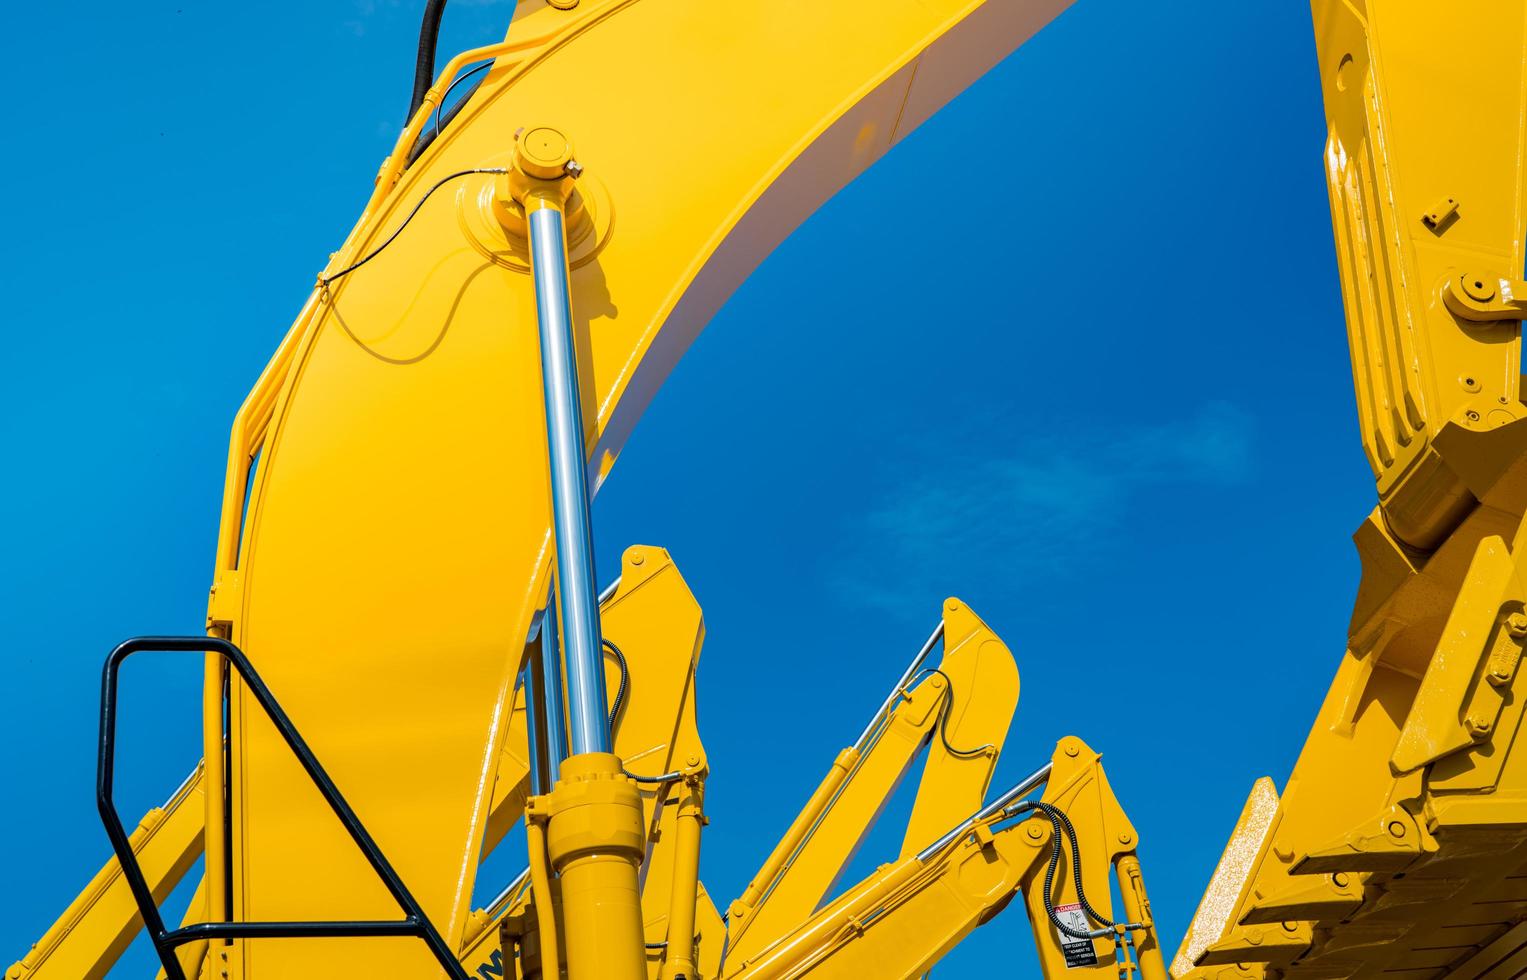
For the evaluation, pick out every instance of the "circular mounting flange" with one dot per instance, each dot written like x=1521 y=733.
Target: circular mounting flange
x=494 y=222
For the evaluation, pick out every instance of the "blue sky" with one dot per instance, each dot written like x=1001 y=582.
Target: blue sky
x=1116 y=417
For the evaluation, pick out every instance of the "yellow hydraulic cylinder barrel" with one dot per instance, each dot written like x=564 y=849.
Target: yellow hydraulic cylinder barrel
x=1137 y=908
x=540 y=884
x=841 y=767
x=679 y=961
x=596 y=839
x=791 y=956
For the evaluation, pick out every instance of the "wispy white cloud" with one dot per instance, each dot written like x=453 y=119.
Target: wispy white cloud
x=1049 y=506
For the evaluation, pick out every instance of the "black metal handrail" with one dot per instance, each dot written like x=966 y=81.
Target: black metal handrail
x=415 y=924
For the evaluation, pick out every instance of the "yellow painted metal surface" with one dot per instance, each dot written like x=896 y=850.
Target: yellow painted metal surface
x=98 y=925
x=1399 y=844
x=971 y=696
x=396 y=547
x=905 y=916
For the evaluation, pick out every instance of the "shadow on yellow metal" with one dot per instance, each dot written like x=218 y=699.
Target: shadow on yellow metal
x=1400 y=841
x=395 y=548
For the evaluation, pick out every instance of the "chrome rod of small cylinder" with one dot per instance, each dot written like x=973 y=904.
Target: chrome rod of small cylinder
x=906 y=677
x=1021 y=789
x=551 y=676
x=583 y=657
x=533 y=682
x=609 y=590
x=509 y=889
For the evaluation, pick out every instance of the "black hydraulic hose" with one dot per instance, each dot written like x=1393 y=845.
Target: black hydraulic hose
x=1062 y=828
x=424 y=65
x=625 y=684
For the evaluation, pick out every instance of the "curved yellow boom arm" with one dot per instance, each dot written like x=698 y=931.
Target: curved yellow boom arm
x=395 y=547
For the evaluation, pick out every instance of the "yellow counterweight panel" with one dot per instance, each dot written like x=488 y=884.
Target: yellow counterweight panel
x=99 y=924
x=972 y=695
x=396 y=545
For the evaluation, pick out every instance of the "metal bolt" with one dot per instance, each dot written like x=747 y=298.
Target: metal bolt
x=1035 y=831
x=1517 y=624
x=693 y=760
x=1476 y=726
x=1472 y=415
x=1396 y=829
x=1072 y=750
x=1125 y=838
x=1340 y=879
x=573 y=169
x=637 y=557
x=1290 y=927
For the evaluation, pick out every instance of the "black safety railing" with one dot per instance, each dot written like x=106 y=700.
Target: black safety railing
x=415 y=923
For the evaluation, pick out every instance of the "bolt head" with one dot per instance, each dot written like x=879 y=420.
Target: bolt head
x=1396 y=829
x=574 y=169
x=1517 y=624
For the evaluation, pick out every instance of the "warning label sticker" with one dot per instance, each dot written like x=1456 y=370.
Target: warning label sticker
x=1079 y=952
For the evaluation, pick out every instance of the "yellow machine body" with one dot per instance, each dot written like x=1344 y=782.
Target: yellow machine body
x=395 y=550
x=386 y=547
x=1399 y=844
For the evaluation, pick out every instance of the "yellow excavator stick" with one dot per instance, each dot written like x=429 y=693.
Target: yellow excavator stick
x=904 y=917
x=959 y=712
x=1399 y=844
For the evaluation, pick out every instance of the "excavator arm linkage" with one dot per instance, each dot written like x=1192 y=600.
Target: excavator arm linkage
x=1400 y=840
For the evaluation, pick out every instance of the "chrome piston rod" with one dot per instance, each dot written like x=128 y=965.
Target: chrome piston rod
x=1021 y=789
x=906 y=677
x=577 y=595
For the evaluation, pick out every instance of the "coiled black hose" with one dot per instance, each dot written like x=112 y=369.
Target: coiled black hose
x=1060 y=822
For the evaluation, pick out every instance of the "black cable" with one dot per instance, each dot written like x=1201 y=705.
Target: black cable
x=424 y=61
x=446 y=95
x=620 y=704
x=326 y=280
x=943 y=721
x=1060 y=822
x=625 y=683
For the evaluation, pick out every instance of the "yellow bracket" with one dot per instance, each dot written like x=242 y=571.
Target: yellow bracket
x=1484 y=297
